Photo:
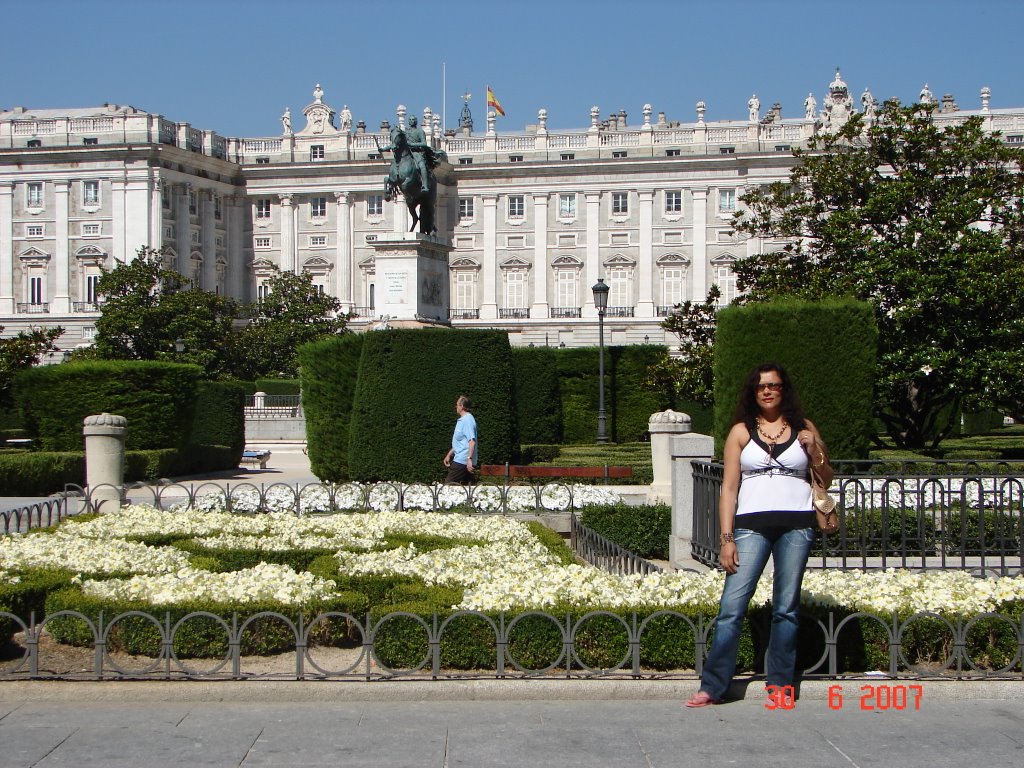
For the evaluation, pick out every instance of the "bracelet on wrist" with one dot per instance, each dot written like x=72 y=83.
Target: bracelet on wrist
x=727 y=538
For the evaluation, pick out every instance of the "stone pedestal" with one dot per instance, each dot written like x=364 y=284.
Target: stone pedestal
x=104 y=460
x=683 y=449
x=663 y=425
x=412 y=277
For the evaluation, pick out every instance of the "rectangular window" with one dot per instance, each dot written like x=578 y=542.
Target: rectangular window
x=516 y=207
x=673 y=201
x=727 y=150
x=515 y=158
x=165 y=200
x=782 y=147
x=672 y=152
x=568 y=156
x=567 y=206
x=619 y=293
x=1015 y=138
x=727 y=283
x=316 y=152
x=34 y=195
x=262 y=292
x=191 y=202
x=375 y=156
x=726 y=200
x=375 y=205
x=619 y=153
x=263 y=208
x=33 y=143
x=90 y=230
x=515 y=289
x=317 y=241
x=90 y=142
x=262 y=242
x=672 y=286
x=92 y=295
x=465 y=161
x=35 y=290
x=34 y=230
x=262 y=161
x=467 y=211
x=465 y=289
x=89 y=332
x=620 y=203
x=565 y=288
x=91 y=192
x=217 y=211
x=318 y=207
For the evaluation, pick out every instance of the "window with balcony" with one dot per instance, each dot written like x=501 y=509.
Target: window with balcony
x=36 y=290
x=92 y=294
x=318 y=207
x=515 y=289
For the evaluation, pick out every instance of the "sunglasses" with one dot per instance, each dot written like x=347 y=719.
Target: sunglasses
x=771 y=386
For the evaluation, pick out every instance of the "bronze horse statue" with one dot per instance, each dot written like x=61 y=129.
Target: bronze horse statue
x=405 y=178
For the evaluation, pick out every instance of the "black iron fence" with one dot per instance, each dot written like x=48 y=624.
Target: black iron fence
x=963 y=652
x=604 y=553
x=40 y=514
x=930 y=515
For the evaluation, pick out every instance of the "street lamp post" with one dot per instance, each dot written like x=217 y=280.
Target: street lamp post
x=601 y=302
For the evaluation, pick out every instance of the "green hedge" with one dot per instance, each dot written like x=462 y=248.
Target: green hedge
x=219 y=420
x=643 y=530
x=404 y=406
x=158 y=399
x=328 y=370
x=828 y=349
x=275 y=386
x=628 y=402
x=28 y=596
x=41 y=473
x=538 y=395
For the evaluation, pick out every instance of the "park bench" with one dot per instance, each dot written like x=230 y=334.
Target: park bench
x=529 y=472
x=256 y=457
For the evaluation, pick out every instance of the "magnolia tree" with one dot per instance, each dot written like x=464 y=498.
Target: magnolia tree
x=924 y=221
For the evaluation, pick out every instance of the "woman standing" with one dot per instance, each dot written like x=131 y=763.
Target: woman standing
x=765 y=509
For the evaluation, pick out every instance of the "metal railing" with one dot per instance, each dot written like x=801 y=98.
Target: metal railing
x=565 y=312
x=514 y=313
x=40 y=514
x=464 y=314
x=933 y=515
x=31 y=308
x=603 y=553
x=824 y=655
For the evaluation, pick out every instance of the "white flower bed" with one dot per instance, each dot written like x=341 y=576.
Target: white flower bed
x=498 y=563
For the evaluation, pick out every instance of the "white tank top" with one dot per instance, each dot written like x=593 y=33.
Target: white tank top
x=772 y=483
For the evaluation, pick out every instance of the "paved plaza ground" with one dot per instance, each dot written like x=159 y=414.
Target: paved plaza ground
x=484 y=724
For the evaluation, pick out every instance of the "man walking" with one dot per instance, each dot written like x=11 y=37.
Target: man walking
x=462 y=456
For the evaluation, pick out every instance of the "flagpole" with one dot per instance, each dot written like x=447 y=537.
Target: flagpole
x=444 y=98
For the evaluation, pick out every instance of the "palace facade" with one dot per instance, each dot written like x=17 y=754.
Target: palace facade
x=535 y=217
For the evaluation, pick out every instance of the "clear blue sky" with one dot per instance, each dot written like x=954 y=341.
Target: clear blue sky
x=234 y=65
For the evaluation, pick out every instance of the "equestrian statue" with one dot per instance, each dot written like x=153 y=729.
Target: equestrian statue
x=411 y=174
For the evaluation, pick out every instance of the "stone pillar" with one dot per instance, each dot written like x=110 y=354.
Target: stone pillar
x=343 y=250
x=288 y=260
x=61 y=303
x=663 y=425
x=208 y=239
x=118 y=247
x=682 y=450
x=540 y=257
x=645 y=267
x=104 y=460
x=591 y=270
x=6 y=248
x=489 y=307
x=699 y=283
x=182 y=227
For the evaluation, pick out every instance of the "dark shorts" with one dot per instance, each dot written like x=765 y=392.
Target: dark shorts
x=459 y=475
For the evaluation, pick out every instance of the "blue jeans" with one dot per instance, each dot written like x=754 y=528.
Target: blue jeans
x=789 y=550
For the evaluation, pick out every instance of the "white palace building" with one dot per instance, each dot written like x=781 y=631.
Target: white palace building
x=532 y=219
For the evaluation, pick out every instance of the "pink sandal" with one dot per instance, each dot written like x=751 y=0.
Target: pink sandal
x=702 y=699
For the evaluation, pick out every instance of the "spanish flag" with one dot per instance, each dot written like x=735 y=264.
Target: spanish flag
x=493 y=102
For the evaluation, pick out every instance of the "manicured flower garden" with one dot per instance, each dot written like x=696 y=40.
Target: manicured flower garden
x=210 y=559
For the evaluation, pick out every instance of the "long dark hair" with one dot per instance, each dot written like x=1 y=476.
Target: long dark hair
x=747 y=410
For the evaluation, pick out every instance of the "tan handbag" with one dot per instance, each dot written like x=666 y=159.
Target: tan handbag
x=824 y=505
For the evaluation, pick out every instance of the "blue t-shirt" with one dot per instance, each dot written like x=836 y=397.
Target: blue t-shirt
x=465 y=430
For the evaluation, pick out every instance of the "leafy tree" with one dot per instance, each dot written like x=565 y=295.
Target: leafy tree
x=689 y=376
x=23 y=351
x=149 y=307
x=292 y=313
x=925 y=222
